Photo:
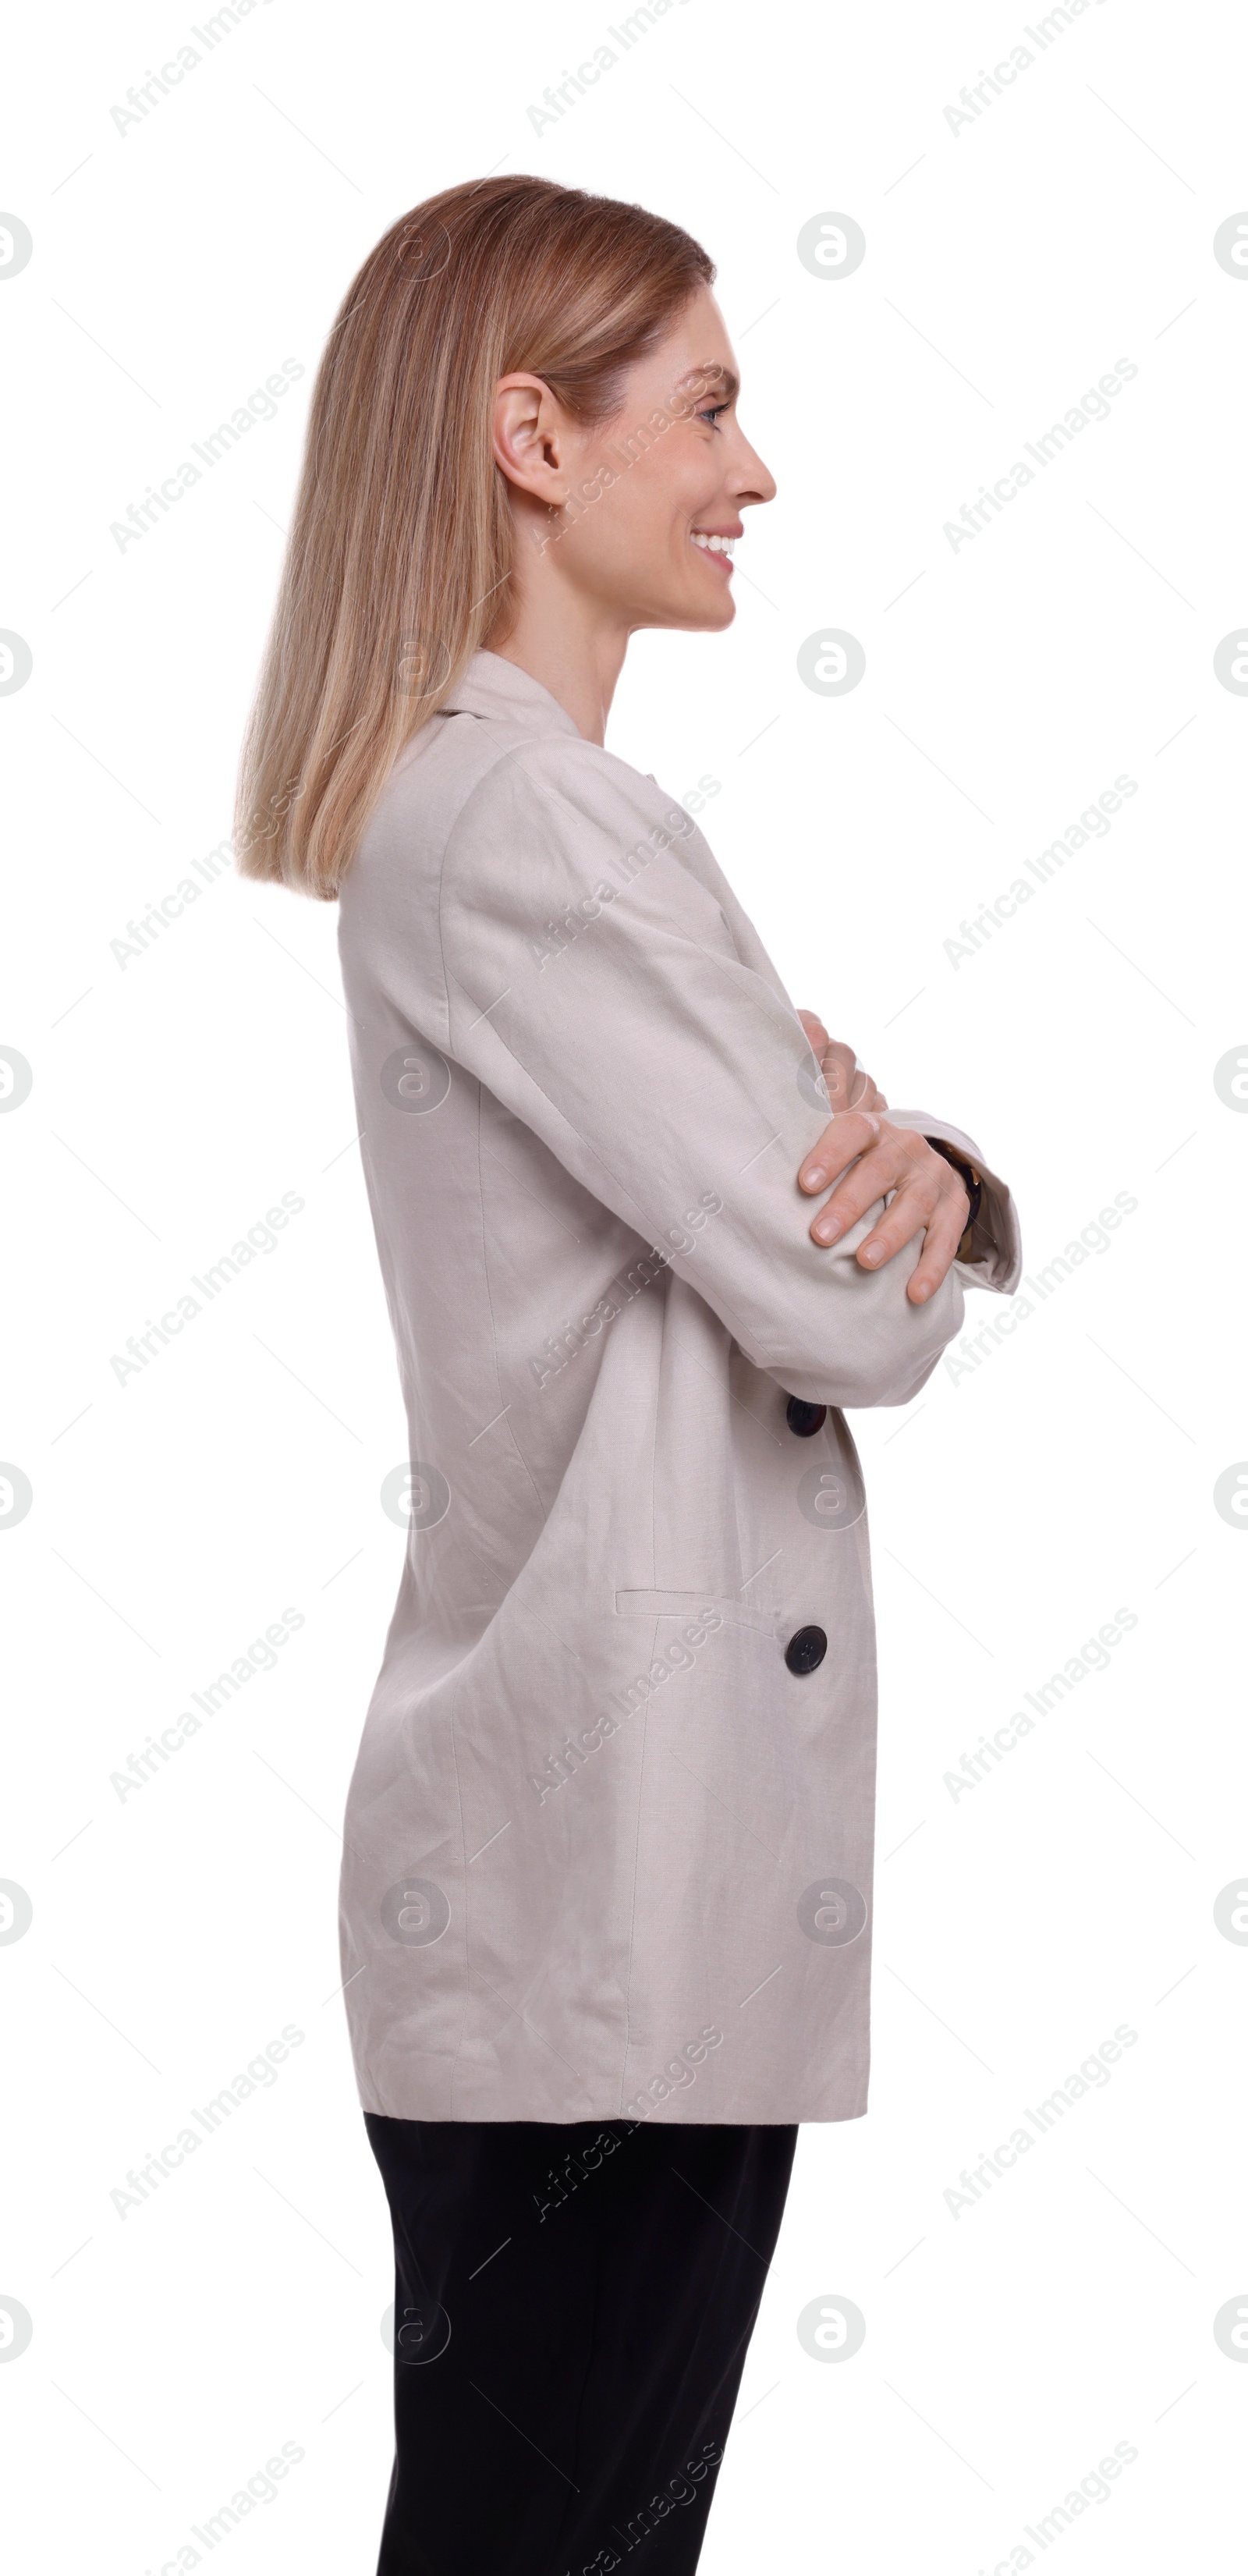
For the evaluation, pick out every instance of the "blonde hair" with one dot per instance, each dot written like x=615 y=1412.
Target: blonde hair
x=399 y=561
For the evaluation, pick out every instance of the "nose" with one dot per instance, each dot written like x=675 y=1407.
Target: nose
x=752 y=481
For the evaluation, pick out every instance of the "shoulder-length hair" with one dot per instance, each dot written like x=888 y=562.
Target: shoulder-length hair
x=399 y=561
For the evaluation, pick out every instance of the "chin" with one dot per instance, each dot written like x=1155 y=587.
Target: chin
x=711 y=618
x=687 y=616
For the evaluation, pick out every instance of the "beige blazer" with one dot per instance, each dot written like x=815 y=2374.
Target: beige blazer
x=608 y=1842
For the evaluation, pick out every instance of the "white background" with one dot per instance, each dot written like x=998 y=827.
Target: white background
x=179 y=1093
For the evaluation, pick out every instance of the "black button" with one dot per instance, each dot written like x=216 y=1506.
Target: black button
x=805 y=1419
x=806 y=1650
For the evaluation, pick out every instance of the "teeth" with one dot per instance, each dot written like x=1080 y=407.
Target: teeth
x=713 y=545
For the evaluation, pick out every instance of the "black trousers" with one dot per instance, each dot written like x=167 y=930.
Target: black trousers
x=572 y=2311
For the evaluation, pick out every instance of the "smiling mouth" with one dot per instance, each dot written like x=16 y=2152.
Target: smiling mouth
x=719 y=548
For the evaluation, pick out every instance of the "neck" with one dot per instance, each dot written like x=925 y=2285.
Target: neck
x=579 y=669
x=567 y=643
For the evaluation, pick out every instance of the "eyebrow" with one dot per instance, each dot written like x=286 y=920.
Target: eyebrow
x=705 y=378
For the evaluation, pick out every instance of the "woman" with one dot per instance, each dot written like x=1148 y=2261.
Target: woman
x=607 y=1870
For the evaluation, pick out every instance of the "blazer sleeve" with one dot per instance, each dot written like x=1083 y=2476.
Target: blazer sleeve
x=593 y=985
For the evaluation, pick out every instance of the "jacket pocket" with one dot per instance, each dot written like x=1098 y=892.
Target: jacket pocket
x=694 y=1606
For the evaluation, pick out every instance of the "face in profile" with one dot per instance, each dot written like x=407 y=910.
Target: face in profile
x=638 y=515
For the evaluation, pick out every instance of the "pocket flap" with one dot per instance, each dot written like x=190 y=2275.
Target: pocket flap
x=692 y=1605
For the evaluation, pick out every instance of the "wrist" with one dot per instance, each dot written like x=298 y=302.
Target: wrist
x=971 y=1183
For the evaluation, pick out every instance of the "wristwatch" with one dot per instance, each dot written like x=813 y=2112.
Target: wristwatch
x=971 y=1183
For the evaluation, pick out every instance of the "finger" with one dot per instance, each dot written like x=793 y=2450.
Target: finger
x=849 y=1084
x=862 y=1091
x=876 y=1176
x=815 y=1030
x=940 y=1251
x=920 y=1189
x=847 y=1136
x=912 y=1210
x=838 y=1065
x=942 y=1215
x=923 y=1187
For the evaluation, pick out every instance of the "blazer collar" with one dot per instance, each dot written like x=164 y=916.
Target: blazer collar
x=492 y=686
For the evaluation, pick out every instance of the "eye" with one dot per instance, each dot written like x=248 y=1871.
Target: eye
x=713 y=415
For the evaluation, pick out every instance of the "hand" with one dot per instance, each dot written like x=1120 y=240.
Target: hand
x=929 y=1197
x=848 y=1086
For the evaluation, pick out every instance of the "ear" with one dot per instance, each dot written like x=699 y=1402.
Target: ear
x=531 y=435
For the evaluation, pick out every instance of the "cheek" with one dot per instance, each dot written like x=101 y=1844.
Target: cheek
x=676 y=486
x=633 y=540
x=609 y=529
